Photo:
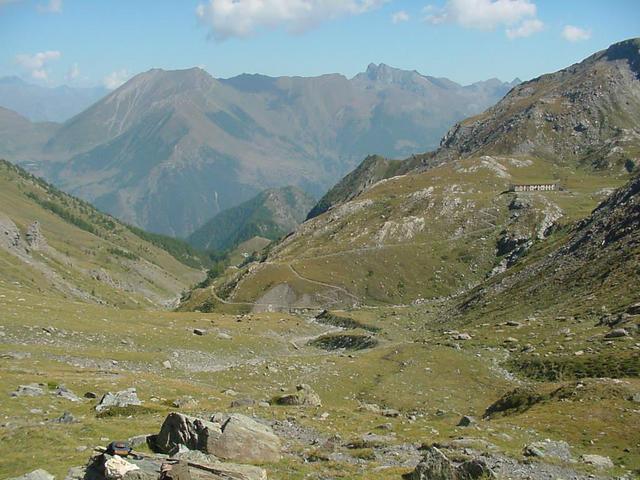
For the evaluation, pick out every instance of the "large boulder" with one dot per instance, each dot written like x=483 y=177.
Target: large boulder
x=229 y=437
x=304 y=396
x=234 y=470
x=245 y=440
x=124 y=398
x=194 y=433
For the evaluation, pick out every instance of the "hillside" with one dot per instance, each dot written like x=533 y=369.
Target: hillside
x=270 y=214
x=169 y=149
x=46 y=104
x=445 y=221
x=20 y=137
x=57 y=245
x=584 y=115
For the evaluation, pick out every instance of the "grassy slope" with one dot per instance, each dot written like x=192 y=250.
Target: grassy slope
x=270 y=214
x=464 y=210
x=84 y=240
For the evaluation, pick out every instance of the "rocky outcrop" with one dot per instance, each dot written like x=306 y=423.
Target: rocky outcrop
x=190 y=432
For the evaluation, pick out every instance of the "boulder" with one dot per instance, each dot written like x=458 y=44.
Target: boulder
x=433 y=466
x=436 y=466
x=66 y=417
x=245 y=440
x=35 y=475
x=474 y=469
x=199 y=331
x=304 y=396
x=116 y=467
x=550 y=449
x=617 y=333
x=64 y=392
x=194 y=433
x=597 y=461
x=232 y=470
x=123 y=398
x=31 y=390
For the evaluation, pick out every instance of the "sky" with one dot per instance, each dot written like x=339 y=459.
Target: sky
x=106 y=42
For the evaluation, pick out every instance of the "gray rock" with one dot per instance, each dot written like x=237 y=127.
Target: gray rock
x=66 y=417
x=199 y=331
x=31 y=390
x=185 y=402
x=138 y=440
x=304 y=396
x=35 y=475
x=617 y=333
x=194 y=433
x=549 y=448
x=245 y=440
x=64 y=392
x=436 y=466
x=76 y=473
x=232 y=470
x=597 y=461
x=433 y=466
x=462 y=336
x=123 y=398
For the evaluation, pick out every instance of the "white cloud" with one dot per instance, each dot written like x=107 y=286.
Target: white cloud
x=54 y=6
x=241 y=18
x=36 y=64
x=115 y=79
x=525 y=29
x=399 y=17
x=518 y=15
x=575 y=34
x=73 y=72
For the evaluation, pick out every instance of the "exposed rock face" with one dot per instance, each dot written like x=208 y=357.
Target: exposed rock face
x=597 y=461
x=34 y=237
x=231 y=437
x=123 y=398
x=305 y=396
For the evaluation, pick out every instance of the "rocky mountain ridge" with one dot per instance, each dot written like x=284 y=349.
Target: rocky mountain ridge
x=170 y=149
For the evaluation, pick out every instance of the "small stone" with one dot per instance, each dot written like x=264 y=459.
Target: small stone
x=66 y=417
x=124 y=398
x=511 y=340
x=90 y=395
x=462 y=336
x=166 y=364
x=224 y=336
x=512 y=323
x=199 y=331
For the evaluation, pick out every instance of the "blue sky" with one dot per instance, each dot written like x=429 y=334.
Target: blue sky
x=93 y=42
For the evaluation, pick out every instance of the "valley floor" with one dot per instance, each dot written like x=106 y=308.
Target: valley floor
x=379 y=404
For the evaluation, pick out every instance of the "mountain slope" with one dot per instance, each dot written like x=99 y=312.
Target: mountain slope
x=21 y=137
x=594 y=261
x=45 y=104
x=270 y=214
x=170 y=148
x=439 y=224
x=587 y=114
x=51 y=242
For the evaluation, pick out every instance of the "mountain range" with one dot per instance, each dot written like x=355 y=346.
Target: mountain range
x=46 y=104
x=170 y=149
x=440 y=223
